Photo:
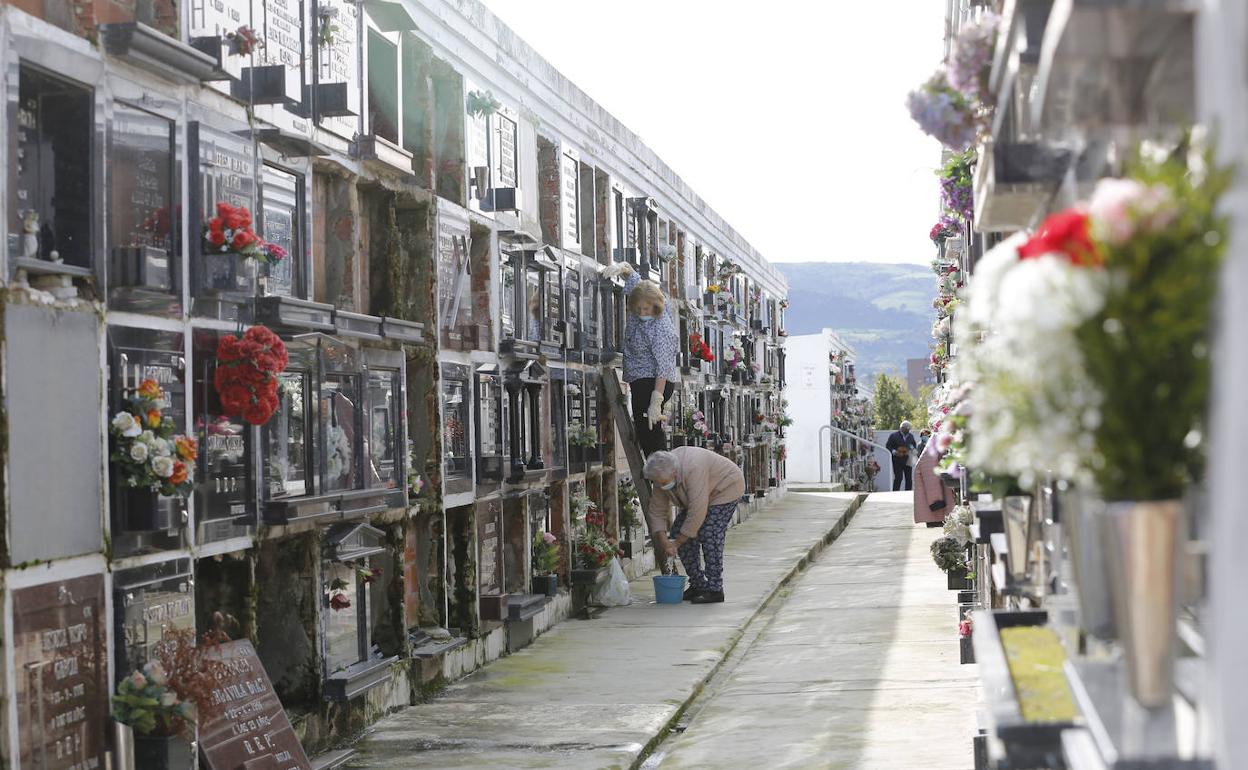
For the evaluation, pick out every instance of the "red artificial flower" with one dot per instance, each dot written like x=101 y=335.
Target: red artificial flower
x=1065 y=233
x=256 y=414
x=228 y=350
x=339 y=601
x=216 y=237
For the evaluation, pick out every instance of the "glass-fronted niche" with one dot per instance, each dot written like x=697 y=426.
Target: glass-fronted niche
x=282 y=224
x=559 y=422
x=144 y=521
x=524 y=384
x=225 y=497
x=491 y=439
x=334 y=445
x=223 y=171
x=144 y=215
x=464 y=321
x=531 y=303
x=456 y=429
x=50 y=168
x=360 y=644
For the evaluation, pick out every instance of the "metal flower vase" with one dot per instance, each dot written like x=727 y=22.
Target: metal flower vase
x=1016 y=517
x=1083 y=519
x=1144 y=547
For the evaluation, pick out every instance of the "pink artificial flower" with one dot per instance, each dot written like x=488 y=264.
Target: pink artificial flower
x=964 y=629
x=548 y=538
x=943 y=441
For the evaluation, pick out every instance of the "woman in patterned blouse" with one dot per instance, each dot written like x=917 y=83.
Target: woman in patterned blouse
x=651 y=345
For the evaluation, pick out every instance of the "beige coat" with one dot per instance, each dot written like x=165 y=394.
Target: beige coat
x=703 y=479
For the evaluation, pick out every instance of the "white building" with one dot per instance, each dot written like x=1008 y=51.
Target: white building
x=823 y=404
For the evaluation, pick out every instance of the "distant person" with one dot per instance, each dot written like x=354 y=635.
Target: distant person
x=925 y=435
x=902 y=446
x=706 y=486
x=651 y=345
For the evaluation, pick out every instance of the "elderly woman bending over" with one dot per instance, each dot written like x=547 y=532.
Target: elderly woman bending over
x=651 y=344
x=705 y=486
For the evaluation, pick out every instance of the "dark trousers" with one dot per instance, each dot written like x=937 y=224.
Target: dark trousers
x=651 y=439
x=901 y=468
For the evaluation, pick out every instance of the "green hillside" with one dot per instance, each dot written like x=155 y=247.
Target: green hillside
x=883 y=310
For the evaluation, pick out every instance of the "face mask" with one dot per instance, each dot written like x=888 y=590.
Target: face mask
x=668 y=486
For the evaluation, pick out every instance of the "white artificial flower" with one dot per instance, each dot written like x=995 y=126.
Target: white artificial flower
x=126 y=425
x=147 y=437
x=162 y=467
x=138 y=452
x=168 y=698
x=162 y=447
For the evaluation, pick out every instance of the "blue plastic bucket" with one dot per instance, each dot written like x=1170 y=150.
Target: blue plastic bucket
x=669 y=589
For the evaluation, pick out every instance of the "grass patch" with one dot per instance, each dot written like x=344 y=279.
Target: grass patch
x=1035 y=657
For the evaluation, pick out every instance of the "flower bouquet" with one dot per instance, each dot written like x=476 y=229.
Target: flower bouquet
x=699 y=348
x=243 y=41
x=175 y=689
x=146 y=451
x=956 y=185
x=229 y=232
x=581 y=435
x=970 y=58
x=246 y=375
x=944 y=112
x=545 y=563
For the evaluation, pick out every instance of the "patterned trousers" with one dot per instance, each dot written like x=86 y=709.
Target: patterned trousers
x=708 y=547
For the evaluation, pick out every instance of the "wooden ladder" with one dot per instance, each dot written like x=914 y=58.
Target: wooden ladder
x=627 y=433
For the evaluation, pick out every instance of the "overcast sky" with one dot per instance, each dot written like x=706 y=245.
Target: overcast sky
x=787 y=116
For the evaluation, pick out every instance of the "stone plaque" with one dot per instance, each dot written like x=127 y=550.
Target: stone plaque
x=252 y=730
x=215 y=18
x=337 y=60
x=570 y=182
x=489 y=548
x=505 y=166
x=59 y=649
x=282 y=31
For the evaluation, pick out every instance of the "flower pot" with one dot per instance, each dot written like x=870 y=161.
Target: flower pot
x=547 y=585
x=1085 y=524
x=1016 y=515
x=142 y=510
x=958 y=581
x=588 y=577
x=1144 y=550
x=153 y=752
x=966 y=650
x=228 y=272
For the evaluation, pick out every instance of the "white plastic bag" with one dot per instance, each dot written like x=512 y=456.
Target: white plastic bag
x=613 y=592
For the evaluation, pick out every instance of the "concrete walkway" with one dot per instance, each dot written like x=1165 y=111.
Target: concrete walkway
x=597 y=694
x=858 y=667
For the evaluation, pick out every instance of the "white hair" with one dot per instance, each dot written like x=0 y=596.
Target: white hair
x=660 y=465
x=905 y=424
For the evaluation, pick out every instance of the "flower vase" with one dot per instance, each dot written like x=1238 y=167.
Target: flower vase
x=1144 y=545
x=123 y=747
x=547 y=585
x=228 y=272
x=157 y=752
x=1083 y=519
x=1016 y=516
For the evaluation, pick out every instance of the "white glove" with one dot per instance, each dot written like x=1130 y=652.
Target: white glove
x=616 y=270
x=655 y=412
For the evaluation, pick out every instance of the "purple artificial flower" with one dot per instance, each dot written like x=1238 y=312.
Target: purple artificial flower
x=943 y=112
x=970 y=61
